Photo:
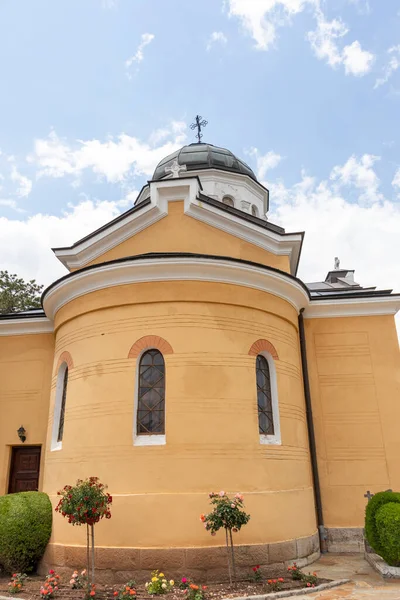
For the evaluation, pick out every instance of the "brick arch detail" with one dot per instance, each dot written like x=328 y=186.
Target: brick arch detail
x=67 y=358
x=150 y=341
x=263 y=346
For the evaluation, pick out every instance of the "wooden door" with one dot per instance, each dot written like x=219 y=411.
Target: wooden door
x=24 y=473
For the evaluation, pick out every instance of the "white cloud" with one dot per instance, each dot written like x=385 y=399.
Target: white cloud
x=24 y=184
x=324 y=39
x=146 y=39
x=391 y=67
x=115 y=158
x=360 y=174
x=261 y=18
x=396 y=179
x=217 y=37
x=264 y=162
x=324 y=42
x=10 y=204
x=356 y=61
x=25 y=245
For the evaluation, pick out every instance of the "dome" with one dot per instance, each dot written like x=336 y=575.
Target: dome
x=204 y=156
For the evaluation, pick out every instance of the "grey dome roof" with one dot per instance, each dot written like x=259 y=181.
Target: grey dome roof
x=204 y=156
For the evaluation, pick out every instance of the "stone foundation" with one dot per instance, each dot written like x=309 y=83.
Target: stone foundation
x=345 y=539
x=118 y=565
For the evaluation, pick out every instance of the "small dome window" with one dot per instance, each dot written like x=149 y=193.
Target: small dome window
x=228 y=201
x=254 y=210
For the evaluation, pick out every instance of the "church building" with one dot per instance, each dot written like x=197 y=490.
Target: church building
x=180 y=355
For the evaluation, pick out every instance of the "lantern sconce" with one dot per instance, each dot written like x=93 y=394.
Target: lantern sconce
x=22 y=434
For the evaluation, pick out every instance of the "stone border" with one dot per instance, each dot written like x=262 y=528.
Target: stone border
x=114 y=565
x=345 y=539
x=381 y=566
x=298 y=592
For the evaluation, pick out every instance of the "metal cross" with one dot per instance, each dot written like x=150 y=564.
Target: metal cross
x=175 y=168
x=200 y=122
x=368 y=495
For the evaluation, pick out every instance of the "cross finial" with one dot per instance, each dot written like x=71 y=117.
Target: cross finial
x=175 y=168
x=199 y=123
x=337 y=263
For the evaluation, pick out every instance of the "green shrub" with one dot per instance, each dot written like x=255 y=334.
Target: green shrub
x=25 y=528
x=371 y=530
x=388 y=524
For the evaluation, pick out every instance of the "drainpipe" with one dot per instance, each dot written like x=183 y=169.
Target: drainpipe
x=311 y=437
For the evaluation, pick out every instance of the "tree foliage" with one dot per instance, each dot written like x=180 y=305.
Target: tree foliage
x=16 y=294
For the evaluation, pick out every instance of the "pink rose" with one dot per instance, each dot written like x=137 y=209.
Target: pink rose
x=222 y=494
x=233 y=505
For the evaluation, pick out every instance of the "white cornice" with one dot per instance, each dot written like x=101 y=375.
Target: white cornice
x=83 y=253
x=352 y=307
x=174 y=269
x=278 y=244
x=25 y=326
x=161 y=193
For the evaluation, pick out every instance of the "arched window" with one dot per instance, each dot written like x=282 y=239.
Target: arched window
x=59 y=407
x=228 y=201
x=254 y=210
x=264 y=397
x=62 y=410
x=267 y=400
x=150 y=416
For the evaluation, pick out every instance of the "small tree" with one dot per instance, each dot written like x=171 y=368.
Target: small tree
x=228 y=514
x=17 y=294
x=85 y=504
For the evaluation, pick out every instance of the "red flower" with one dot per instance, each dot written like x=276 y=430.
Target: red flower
x=51 y=572
x=258 y=566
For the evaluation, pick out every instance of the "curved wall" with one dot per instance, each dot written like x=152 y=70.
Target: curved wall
x=212 y=439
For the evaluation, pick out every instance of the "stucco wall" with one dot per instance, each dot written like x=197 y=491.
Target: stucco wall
x=25 y=374
x=211 y=414
x=178 y=232
x=354 y=368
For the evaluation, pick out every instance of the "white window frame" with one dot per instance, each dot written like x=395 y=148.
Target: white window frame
x=55 y=444
x=158 y=439
x=275 y=438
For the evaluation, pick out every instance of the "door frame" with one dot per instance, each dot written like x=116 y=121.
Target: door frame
x=14 y=447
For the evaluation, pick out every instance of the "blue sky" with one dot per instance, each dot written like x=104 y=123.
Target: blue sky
x=95 y=92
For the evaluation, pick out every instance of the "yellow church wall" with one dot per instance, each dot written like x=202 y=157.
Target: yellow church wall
x=25 y=376
x=178 y=232
x=354 y=369
x=212 y=439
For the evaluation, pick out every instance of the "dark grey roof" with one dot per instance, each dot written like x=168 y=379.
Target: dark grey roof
x=340 y=282
x=204 y=156
x=24 y=314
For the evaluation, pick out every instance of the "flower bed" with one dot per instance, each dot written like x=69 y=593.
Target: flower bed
x=187 y=590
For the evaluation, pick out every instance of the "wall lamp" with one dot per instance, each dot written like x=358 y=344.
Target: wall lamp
x=22 y=434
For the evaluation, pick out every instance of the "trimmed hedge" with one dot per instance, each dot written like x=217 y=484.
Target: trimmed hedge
x=371 y=529
x=25 y=528
x=388 y=524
